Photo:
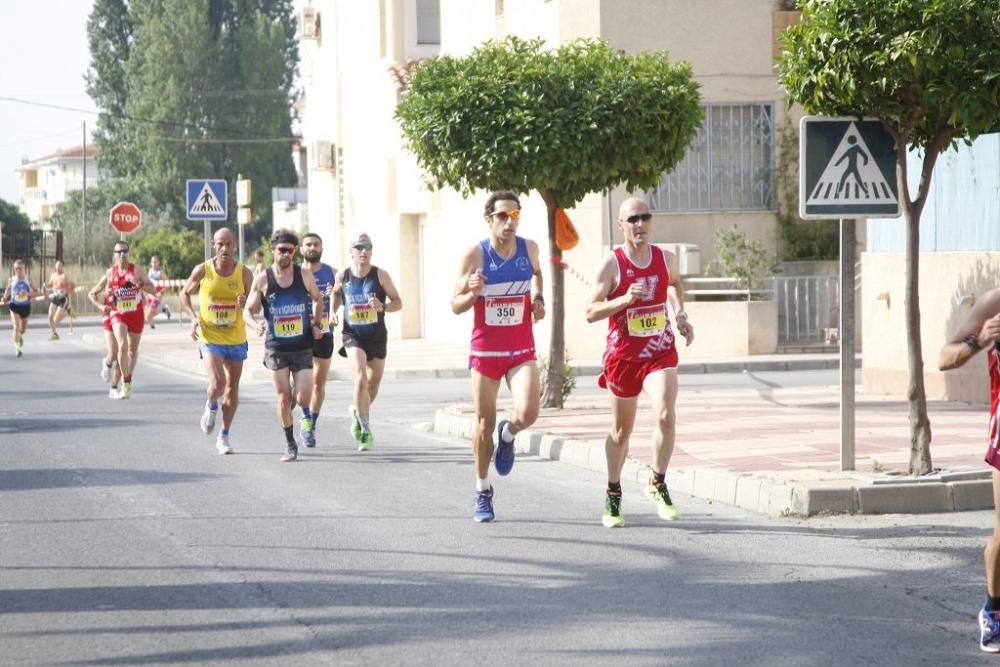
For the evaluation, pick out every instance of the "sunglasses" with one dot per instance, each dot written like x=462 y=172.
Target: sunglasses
x=633 y=219
x=123 y=251
x=503 y=216
x=284 y=250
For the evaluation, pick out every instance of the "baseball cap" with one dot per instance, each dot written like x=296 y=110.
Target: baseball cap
x=361 y=239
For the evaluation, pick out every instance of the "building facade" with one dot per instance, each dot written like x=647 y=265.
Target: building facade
x=355 y=58
x=46 y=182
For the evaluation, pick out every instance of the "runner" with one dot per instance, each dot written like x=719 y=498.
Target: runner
x=155 y=302
x=125 y=283
x=312 y=251
x=60 y=287
x=284 y=291
x=18 y=294
x=110 y=373
x=258 y=262
x=222 y=285
x=501 y=280
x=367 y=293
x=631 y=293
x=979 y=331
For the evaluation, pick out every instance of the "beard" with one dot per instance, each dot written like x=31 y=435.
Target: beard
x=312 y=256
x=285 y=261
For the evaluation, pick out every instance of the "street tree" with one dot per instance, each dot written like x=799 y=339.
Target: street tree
x=195 y=89
x=565 y=122
x=11 y=216
x=928 y=69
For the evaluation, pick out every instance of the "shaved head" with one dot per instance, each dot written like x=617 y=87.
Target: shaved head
x=225 y=234
x=631 y=206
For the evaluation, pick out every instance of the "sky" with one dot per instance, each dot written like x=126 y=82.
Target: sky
x=43 y=57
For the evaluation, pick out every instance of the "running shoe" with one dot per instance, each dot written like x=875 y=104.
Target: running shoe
x=355 y=424
x=126 y=391
x=18 y=351
x=989 y=630
x=222 y=444
x=106 y=371
x=307 y=432
x=365 y=441
x=661 y=497
x=613 y=511
x=291 y=453
x=503 y=460
x=208 y=420
x=54 y=336
x=113 y=393
x=484 y=507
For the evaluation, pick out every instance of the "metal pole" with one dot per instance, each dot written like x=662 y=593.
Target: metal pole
x=208 y=240
x=846 y=327
x=241 y=241
x=84 y=194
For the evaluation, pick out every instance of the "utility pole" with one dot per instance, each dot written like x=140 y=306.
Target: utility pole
x=84 y=256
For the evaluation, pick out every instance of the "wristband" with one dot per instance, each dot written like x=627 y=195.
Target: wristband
x=972 y=341
x=681 y=313
x=538 y=297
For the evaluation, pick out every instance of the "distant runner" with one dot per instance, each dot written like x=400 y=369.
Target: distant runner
x=60 y=288
x=155 y=302
x=312 y=252
x=18 y=294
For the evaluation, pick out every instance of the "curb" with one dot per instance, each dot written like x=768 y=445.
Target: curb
x=856 y=493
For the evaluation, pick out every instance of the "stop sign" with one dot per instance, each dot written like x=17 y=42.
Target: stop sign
x=126 y=217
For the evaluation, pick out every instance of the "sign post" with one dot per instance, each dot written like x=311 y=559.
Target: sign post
x=244 y=196
x=847 y=171
x=207 y=200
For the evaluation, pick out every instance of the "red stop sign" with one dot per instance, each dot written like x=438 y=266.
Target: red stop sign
x=126 y=217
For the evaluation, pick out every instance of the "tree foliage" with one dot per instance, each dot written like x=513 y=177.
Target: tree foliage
x=194 y=89
x=11 y=216
x=928 y=70
x=580 y=118
x=179 y=252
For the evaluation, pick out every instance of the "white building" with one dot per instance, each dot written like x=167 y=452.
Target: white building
x=46 y=182
x=354 y=60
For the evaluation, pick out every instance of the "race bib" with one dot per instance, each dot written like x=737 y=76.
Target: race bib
x=288 y=327
x=362 y=314
x=324 y=324
x=222 y=314
x=127 y=304
x=646 y=321
x=19 y=297
x=504 y=311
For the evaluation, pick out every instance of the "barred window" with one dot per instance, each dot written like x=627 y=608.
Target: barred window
x=729 y=165
x=428 y=21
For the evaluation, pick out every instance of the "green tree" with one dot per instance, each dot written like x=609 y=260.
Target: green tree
x=11 y=216
x=928 y=70
x=205 y=92
x=514 y=115
x=179 y=251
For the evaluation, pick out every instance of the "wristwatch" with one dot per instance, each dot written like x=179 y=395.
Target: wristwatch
x=682 y=313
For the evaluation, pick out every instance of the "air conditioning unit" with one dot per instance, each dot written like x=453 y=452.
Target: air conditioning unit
x=324 y=155
x=309 y=23
x=688 y=257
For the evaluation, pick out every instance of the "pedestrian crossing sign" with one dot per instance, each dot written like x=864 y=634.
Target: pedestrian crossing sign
x=847 y=169
x=206 y=199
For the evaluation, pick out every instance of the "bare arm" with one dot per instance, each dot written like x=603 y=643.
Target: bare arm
x=600 y=307
x=193 y=285
x=675 y=292
x=337 y=298
x=309 y=280
x=537 y=287
x=98 y=289
x=980 y=329
x=255 y=303
x=470 y=281
x=394 y=303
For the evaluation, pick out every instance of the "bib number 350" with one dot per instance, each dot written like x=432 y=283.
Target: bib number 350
x=506 y=311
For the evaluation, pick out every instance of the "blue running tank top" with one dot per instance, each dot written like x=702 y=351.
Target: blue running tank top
x=19 y=291
x=324 y=278
x=287 y=311
x=360 y=319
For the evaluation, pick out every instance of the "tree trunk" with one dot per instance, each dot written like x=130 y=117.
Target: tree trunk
x=553 y=398
x=920 y=423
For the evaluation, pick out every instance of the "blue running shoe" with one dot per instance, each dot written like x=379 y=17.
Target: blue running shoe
x=503 y=460
x=989 y=630
x=484 y=506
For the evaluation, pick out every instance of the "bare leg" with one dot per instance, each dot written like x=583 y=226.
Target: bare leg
x=375 y=369
x=616 y=444
x=661 y=387
x=484 y=399
x=524 y=386
x=321 y=368
x=359 y=368
x=303 y=387
x=281 y=380
x=992 y=552
x=231 y=396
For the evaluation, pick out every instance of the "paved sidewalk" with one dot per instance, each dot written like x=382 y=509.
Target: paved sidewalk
x=773 y=451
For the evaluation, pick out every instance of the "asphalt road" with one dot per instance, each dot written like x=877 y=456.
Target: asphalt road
x=125 y=539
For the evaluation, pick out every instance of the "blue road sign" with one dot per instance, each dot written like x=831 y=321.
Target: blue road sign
x=847 y=169
x=206 y=199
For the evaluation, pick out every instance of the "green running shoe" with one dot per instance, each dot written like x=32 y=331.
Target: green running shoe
x=355 y=425
x=366 y=441
x=613 y=512
x=664 y=505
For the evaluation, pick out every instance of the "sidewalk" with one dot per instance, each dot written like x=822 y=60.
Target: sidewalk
x=769 y=451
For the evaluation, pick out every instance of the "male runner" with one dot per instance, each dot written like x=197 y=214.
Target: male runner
x=155 y=302
x=631 y=293
x=18 y=294
x=125 y=283
x=284 y=291
x=222 y=285
x=59 y=287
x=312 y=251
x=501 y=280
x=981 y=330
x=110 y=373
x=367 y=293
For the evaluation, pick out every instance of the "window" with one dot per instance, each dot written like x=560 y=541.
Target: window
x=428 y=21
x=729 y=165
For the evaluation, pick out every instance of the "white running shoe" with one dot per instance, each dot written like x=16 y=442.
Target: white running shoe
x=222 y=444
x=208 y=420
x=113 y=393
x=106 y=371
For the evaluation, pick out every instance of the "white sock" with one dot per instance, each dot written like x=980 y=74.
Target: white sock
x=483 y=484
x=506 y=434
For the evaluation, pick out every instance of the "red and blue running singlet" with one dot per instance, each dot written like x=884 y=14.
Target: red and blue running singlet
x=502 y=313
x=642 y=330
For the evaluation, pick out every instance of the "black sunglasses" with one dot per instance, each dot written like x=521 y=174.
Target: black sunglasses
x=645 y=217
x=363 y=247
x=123 y=251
